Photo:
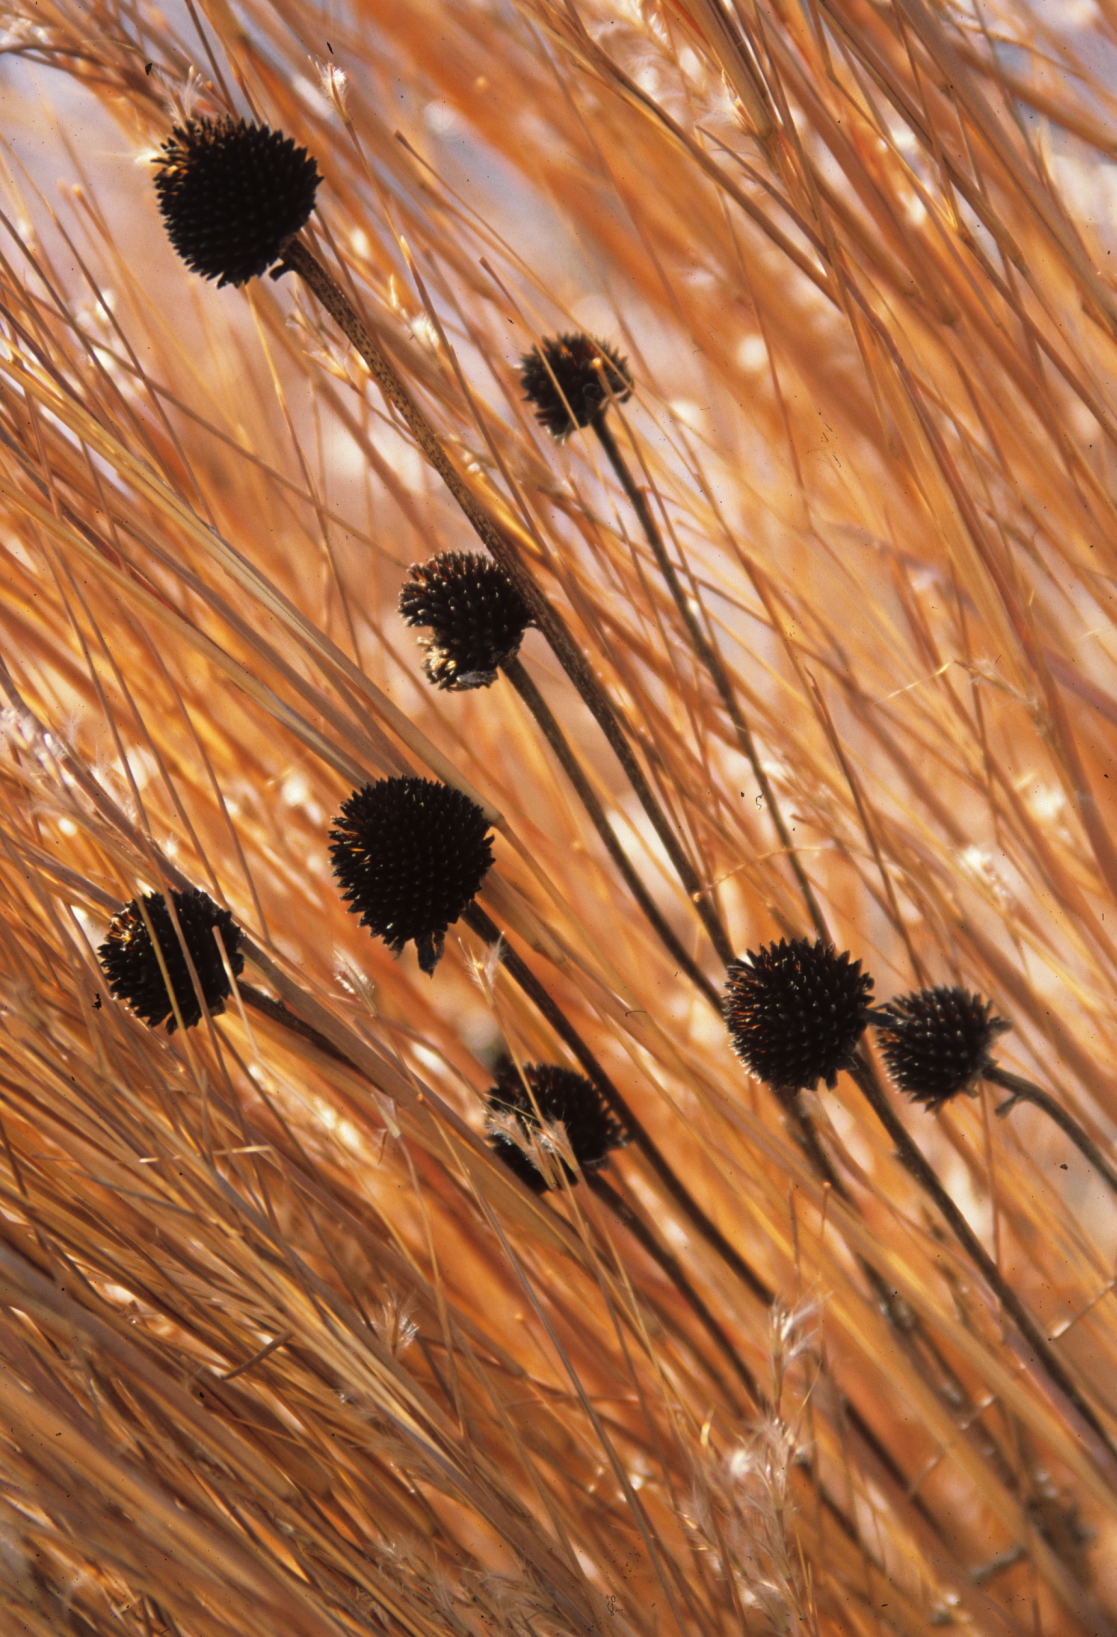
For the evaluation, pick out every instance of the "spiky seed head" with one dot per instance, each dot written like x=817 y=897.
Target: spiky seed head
x=131 y=966
x=937 y=1043
x=796 y=1010
x=232 y=194
x=476 y=616
x=409 y=856
x=571 y=379
x=541 y=1096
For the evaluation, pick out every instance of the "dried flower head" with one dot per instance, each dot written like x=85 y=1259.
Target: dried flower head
x=544 y=1096
x=571 y=379
x=232 y=195
x=936 y=1043
x=476 y=616
x=796 y=1010
x=131 y=965
x=409 y=856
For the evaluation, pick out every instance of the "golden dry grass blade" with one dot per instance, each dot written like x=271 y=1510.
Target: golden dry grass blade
x=283 y=1345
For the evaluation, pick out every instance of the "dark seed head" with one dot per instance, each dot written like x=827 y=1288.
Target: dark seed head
x=547 y=1096
x=131 y=965
x=232 y=194
x=570 y=380
x=409 y=856
x=795 y=1011
x=937 y=1043
x=476 y=616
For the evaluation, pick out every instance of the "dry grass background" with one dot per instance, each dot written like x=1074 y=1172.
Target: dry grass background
x=283 y=1350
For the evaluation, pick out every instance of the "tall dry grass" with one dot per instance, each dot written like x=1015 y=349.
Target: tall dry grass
x=283 y=1349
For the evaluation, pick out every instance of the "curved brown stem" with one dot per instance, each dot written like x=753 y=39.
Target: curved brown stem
x=1023 y=1091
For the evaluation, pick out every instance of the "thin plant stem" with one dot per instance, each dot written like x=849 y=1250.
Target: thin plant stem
x=1023 y=1091
x=919 y=1168
x=524 y=685
x=705 y=646
x=670 y=1265
x=299 y=258
x=282 y=1015
x=806 y=1134
x=525 y=979
x=907 y=1326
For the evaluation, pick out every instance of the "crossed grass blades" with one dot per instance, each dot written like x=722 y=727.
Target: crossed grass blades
x=815 y=608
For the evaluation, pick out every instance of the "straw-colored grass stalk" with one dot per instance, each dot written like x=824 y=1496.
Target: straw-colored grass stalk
x=821 y=650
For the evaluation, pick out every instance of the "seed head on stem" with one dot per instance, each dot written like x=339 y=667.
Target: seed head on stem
x=795 y=1011
x=475 y=615
x=409 y=856
x=937 y=1043
x=570 y=380
x=232 y=195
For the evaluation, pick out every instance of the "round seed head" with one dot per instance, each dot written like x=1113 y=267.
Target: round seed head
x=409 y=856
x=570 y=380
x=526 y=1107
x=937 y=1043
x=131 y=965
x=476 y=617
x=795 y=1011
x=232 y=194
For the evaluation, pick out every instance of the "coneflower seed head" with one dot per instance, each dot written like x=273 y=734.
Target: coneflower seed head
x=477 y=617
x=795 y=1011
x=409 y=856
x=232 y=194
x=570 y=379
x=551 y=1096
x=936 y=1043
x=131 y=965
